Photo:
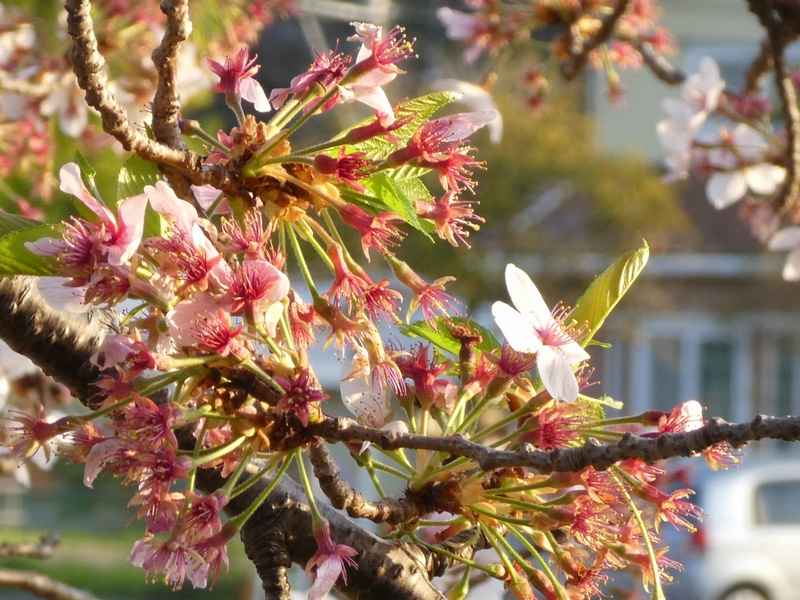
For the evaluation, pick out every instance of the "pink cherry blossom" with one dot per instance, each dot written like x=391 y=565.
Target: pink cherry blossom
x=115 y=243
x=330 y=560
x=236 y=79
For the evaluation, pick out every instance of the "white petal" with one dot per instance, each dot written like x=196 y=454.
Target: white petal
x=368 y=405
x=518 y=330
x=556 y=374
x=791 y=270
x=574 y=353
x=525 y=295
x=749 y=142
x=764 y=178
x=785 y=239
x=723 y=189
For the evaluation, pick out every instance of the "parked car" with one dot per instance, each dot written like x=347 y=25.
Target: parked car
x=748 y=545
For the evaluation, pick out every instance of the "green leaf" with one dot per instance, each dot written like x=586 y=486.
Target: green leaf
x=607 y=290
x=395 y=195
x=16 y=259
x=134 y=175
x=443 y=339
x=420 y=109
x=603 y=400
x=10 y=223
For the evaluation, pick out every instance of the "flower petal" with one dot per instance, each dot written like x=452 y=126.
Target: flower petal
x=72 y=183
x=723 y=189
x=525 y=295
x=252 y=91
x=518 y=330
x=556 y=374
x=791 y=270
x=764 y=178
x=785 y=239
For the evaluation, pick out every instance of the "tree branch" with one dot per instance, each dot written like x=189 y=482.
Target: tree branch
x=580 y=54
x=43 y=549
x=280 y=532
x=780 y=35
x=88 y=64
x=41 y=585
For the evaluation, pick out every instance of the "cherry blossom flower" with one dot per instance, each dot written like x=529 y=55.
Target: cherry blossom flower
x=369 y=404
x=377 y=231
x=366 y=401
x=347 y=168
x=452 y=218
x=436 y=145
x=739 y=160
x=257 y=289
x=477 y=99
x=174 y=559
x=198 y=323
x=376 y=65
x=462 y=26
x=788 y=239
x=700 y=96
x=301 y=396
x=327 y=70
x=31 y=433
x=236 y=79
x=702 y=90
x=530 y=327
x=115 y=242
x=330 y=560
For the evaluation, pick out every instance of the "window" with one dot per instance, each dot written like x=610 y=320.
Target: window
x=776 y=503
x=735 y=367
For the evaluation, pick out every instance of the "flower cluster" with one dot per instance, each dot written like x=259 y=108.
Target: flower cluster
x=727 y=138
x=223 y=294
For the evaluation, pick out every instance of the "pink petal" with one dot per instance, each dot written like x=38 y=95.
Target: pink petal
x=131 y=227
x=252 y=91
x=71 y=183
x=97 y=456
x=61 y=296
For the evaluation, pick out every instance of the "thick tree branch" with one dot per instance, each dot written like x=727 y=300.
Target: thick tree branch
x=342 y=496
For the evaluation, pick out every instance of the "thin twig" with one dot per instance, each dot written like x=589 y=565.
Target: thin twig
x=89 y=67
x=577 y=58
x=342 y=496
x=657 y=64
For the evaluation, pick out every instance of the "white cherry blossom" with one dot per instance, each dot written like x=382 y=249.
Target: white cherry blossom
x=746 y=147
x=530 y=327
